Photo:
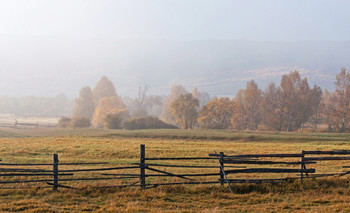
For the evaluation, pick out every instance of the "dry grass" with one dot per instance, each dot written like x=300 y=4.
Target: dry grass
x=122 y=147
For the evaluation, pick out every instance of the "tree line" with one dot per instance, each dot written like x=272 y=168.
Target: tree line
x=36 y=106
x=291 y=105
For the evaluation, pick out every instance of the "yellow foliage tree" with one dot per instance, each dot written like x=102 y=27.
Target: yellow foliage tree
x=106 y=106
x=176 y=91
x=184 y=109
x=217 y=114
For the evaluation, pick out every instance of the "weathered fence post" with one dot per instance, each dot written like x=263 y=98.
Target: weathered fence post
x=221 y=161
x=302 y=166
x=55 y=172
x=142 y=167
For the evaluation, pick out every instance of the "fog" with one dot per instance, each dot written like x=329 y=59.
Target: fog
x=57 y=47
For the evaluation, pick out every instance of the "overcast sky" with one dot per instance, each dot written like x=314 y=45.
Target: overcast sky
x=49 y=47
x=178 y=19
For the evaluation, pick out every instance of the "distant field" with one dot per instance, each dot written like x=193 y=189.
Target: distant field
x=122 y=147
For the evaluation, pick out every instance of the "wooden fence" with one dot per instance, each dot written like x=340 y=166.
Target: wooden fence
x=214 y=169
x=17 y=124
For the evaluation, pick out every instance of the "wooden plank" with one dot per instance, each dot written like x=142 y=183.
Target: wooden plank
x=279 y=180
x=326 y=158
x=264 y=162
x=142 y=167
x=302 y=165
x=222 y=171
x=261 y=156
x=167 y=173
x=55 y=172
x=266 y=156
x=221 y=166
x=337 y=152
x=101 y=169
x=184 y=183
x=269 y=170
x=182 y=158
x=158 y=184
x=23 y=170
x=86 y=179
x=31 y=174
x=59 y=185
x=185 y=166
x=49 y=164
x=34 y=187
x=24 y=181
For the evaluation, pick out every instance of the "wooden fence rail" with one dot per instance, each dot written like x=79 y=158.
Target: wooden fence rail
x=145 y=173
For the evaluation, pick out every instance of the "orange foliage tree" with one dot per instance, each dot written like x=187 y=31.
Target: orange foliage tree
x=217 y=114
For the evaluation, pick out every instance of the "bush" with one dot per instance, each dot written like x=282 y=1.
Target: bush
x=113 y=121
x=64 y=122
x=80 y=122
x=147 y=123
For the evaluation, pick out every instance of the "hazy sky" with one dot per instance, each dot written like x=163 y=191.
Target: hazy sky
x=178 y=19
x=44 y=42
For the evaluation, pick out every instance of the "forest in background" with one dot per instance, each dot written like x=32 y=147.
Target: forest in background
x=291 y=105
x=57 y=106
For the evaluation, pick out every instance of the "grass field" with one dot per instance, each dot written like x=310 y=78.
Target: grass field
x=122 y=147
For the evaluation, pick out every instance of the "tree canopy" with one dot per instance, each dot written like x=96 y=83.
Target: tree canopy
x=184 y=109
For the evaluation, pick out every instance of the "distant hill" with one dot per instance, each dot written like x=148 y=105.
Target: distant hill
x=46 y=66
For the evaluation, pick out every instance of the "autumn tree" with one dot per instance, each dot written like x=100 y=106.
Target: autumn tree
x=84 y=104
x=176 y=91
x=303 y=105
x=103 y=88
x=217 y=114
x=343 y=97
x=330 y=110
x=239 y=118
x=107 y=105
x=273 y=108
x=184 y=110
x=315 y=99
x=252 y=100
x=289 y=85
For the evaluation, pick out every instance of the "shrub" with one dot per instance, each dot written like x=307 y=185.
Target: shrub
x=147 y=123
x=64 y=122
x=115 y=120
x=80 y=122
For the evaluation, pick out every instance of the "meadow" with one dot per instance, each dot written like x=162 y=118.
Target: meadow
x=120 y=147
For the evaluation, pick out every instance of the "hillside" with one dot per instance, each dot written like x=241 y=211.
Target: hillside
x=63 y=65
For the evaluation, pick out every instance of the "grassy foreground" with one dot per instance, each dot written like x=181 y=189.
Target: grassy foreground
x=122 y=147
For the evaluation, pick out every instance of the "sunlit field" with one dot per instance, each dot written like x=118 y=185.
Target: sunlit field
x=120 y=148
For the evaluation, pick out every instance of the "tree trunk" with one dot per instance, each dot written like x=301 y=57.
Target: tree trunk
x=316 y=118
x=289 y=121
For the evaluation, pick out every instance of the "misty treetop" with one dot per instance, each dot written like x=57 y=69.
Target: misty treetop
x=102 y=105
